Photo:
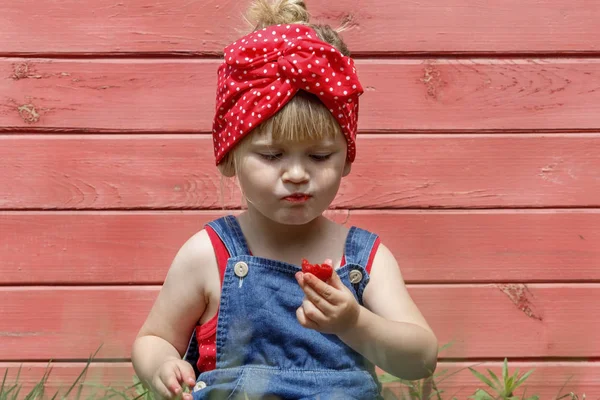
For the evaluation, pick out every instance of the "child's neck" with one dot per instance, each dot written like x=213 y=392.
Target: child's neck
x=263 y=232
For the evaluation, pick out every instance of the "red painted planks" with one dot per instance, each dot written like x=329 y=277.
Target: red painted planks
x=547 y=380
x=418 y=171
x=401 y=95
x=430 y=246
x=378 y=26
x=558 y=320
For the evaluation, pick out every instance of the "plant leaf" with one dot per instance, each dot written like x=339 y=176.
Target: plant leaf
x=484 y=379
x=481 y=394
x=3 y=382
x=444 y=347
x=387 y=378
x=494 y=377
x=522 y=379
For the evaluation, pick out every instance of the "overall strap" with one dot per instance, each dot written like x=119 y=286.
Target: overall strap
x=361 y=246
x=229 y=231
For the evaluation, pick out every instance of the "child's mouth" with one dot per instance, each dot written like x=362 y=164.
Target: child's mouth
x=297 y=198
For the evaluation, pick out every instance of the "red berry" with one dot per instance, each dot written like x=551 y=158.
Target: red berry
x=321 y=271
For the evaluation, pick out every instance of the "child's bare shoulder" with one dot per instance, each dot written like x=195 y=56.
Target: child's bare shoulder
x=182 y=299
x=195 y=255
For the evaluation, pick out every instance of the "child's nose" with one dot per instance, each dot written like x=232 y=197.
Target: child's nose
x=295 y=172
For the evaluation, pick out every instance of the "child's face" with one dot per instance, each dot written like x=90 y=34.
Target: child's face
x=269 y=172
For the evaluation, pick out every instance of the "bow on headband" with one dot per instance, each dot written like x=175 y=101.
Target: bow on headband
x=265 y=69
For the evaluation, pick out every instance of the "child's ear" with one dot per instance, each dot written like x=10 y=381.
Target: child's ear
x=347 y=168
x=226 y=169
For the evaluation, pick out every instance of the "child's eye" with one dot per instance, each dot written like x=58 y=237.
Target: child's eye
x=270 y=156
x=320 y=157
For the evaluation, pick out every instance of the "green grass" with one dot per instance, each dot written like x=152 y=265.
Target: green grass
x=492 y=387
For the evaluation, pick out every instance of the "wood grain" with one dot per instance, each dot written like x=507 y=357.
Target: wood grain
x=415 y=171
x=544 y=320
x=381 y=26
x=79 y=248
x=157 y=95
x=547 y=380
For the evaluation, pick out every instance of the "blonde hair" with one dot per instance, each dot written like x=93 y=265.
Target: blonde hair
x=304 y=117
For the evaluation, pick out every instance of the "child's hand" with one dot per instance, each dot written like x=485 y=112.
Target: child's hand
x=171 y=379
x=328 y=307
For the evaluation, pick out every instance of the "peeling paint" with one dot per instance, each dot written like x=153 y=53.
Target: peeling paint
x=20 y=334
x=432 y=81
x=349 y=21
x=29 y=113
x=554 y=171
x=24 y=71
x=520 y=296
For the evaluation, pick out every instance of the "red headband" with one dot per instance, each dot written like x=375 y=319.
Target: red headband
x=265 y=69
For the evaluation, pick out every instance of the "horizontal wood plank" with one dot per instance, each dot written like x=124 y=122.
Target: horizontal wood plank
x=430 y=246
x=455 y=379
x=378 y=26
x=416 y=171
x=479 y=321
x=401 y=95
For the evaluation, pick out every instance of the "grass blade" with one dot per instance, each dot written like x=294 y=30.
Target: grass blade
x=3 y=383
x=484 y=379
x=522 y=379
x=494 y=377
x=83 y=372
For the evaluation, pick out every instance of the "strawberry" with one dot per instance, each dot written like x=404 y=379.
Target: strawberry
x=321 y=271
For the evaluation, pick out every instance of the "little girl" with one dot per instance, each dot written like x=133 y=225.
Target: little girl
x=285 y=127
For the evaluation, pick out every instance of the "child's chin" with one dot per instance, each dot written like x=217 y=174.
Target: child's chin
x=295 y=216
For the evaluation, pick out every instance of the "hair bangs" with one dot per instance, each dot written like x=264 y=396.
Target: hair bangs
x=303 y=118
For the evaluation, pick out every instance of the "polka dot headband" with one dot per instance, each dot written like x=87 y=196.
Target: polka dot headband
x=265 y=69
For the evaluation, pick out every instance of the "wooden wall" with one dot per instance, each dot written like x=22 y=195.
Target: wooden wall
x=484 y=119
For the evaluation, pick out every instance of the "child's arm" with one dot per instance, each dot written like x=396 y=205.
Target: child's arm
x=165 y=335
x=390 y=330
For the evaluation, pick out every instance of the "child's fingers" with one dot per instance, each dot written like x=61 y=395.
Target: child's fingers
x=312 y=312
x=162 y=390
x=315 y=298
x=304 y=320
x=324 y=290
x=185 y=374
x=335 y=281
x=173 y=384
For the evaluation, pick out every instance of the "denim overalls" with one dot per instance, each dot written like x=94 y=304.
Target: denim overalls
x=262 y=350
